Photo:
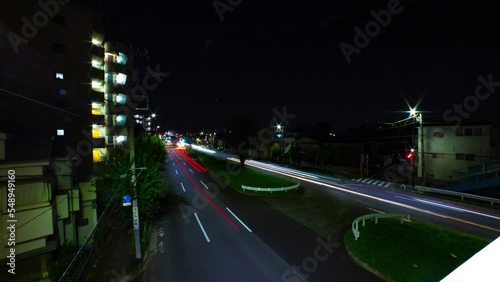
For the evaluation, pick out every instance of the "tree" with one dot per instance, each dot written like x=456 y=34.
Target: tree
x=242 y=135
x=149 y=154
x=293 y=150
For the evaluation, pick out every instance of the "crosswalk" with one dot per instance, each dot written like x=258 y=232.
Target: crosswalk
x=373 y=182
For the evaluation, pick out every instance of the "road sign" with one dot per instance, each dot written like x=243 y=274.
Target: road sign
x=126 y=200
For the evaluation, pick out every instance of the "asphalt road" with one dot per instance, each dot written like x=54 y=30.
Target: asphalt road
x=480 y=221
x=476 y=220
x=226 y=236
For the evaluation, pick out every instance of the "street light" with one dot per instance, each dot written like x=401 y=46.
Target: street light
x=281 y=129
x=418 y=117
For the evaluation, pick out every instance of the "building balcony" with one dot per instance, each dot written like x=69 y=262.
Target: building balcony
x=96 y=97
x=99 y=142
x=116 y=130
x=97 y=51
x=110 y=67
x=114 y=88
x=97 y=119
x=117 y=109
x=96 y=73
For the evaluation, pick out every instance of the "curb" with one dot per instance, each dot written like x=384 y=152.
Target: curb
x=365 y=265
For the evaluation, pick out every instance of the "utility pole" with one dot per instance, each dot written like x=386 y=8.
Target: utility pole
x=135 y=206
x=413 y=159
x=422 y=156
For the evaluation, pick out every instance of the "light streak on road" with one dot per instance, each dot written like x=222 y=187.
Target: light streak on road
x=202 y=229
x=344 y=189
x=182 y=185
x=214 y=205
x=456 y=208
x=204 y=184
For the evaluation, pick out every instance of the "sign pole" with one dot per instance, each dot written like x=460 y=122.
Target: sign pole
x=137 y=234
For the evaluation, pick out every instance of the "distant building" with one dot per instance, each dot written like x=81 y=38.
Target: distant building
x=449 y=150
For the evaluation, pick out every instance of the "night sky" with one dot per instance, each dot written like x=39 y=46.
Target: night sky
x=286 y=53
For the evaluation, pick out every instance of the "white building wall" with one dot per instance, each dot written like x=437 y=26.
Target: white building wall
x=446 y=152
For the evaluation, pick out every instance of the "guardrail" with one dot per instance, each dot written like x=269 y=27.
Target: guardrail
x=260 y=189
x=376 y=216
x=458 y=194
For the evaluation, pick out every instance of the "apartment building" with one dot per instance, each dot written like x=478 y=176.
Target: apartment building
x=54 y=125
x=449 y=150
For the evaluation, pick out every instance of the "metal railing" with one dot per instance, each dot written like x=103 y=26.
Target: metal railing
x=375 y=216
x=458 y=194
x=276 y=189
x=468 y=178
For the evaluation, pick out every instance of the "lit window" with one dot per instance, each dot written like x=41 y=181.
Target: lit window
x=121 y=79
x=120 y=139
x=121 y=59
x=96 y=133
x=121 y=99
x=96 y=155
x=96 y=109
x=97 y=64
x=60 y=132
x=120 y=120
x=109 y=58
x=97 y=85
x=59 y=75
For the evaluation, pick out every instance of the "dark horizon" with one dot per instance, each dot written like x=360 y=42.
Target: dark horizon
x=289 y=55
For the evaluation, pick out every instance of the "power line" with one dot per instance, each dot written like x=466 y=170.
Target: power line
x=82 y=248
x=42 y=103
x=37 y=216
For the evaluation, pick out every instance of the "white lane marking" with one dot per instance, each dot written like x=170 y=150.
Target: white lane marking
x=173 y=164
x=176 y=171
x=202 y=229
x=191 y=171
x=184 y=163
x=376 y=210
x=183 y=187
x=239 y=220
x=204 y=184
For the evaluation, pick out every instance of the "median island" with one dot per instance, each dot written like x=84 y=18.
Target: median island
x=237 y=178
x=411 y=251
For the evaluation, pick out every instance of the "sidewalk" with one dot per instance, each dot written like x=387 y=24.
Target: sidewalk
x=115 y=256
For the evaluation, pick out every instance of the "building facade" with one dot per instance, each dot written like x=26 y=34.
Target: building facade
x=448 y=151
x=54 y=123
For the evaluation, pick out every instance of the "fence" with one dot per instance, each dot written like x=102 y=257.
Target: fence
x=376 y=216
x=260 y=189
x=458 y=194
